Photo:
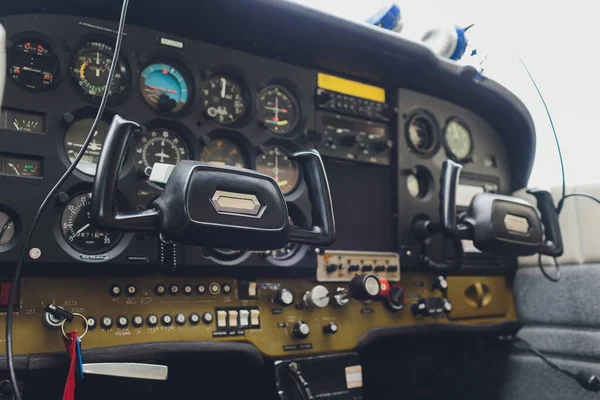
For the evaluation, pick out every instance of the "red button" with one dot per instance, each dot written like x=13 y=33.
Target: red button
x=384 y=287
x=5 y=293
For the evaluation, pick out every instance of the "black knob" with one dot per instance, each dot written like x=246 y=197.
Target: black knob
x=152 y=320
x=364 y=287
x=207 y=318
x=331 y=268
x=137 y=321
x=122 y=321
x=431 y=307
x=381 y=145
x=348 y=140
x=331 y=328
x=106 y=322
x=166 y=320
x=301 y=330
x=395 y=300
x=194 y=318
x=284 y=297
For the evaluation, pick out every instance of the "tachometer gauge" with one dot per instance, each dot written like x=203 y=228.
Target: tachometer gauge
x=33 y=65
x=90 y=68
x=77 y=230
x=275 y=162
x=224 y=100
x=457 y=139
x=164 y=88
x=277 y=109
x=7 y=228
x=159 y=146
x=223 y=152
x=74 y=139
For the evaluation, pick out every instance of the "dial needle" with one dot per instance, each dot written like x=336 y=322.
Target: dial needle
x=83 y=228
x=13 y=167
x=223 y=87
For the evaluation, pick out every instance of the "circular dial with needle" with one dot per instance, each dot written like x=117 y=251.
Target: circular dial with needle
x=277 y=109
x=7 y=228
x=275 y=162
x=164 y=88
x=77 y=230
x=223 y=152
x=224 y=100
x=159 y=146
x=74 y=139
x=457 y=139
x=90 y=68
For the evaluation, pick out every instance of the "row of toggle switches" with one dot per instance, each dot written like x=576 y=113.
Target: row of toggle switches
x=237 y=318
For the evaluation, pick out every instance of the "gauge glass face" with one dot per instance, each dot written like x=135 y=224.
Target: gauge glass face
x=76 y=227
x=164 y=88
x=223 y=152
x=413 y=185
x=277 y=109
x=74 y=139
x=32 y=65
x=458 y=140
x=159 y=146
x=22 y=121
x=224 y=100
x=90 y=68
x=275 y=162
x=7 y=228
x=420 y=134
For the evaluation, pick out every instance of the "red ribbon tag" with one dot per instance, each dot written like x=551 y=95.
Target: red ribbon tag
x=71 y=346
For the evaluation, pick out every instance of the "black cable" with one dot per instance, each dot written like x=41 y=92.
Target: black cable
x=585 y=379
x=587 y=196
x=50 y=196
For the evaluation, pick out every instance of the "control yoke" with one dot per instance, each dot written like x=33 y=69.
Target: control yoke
x=213 y=205
x=498 y=224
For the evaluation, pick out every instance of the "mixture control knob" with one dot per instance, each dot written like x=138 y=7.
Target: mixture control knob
x=348 y=140
x=317 y=297
x=365 y=287
x=284 y=297
x=395 y=300
x=440 y=283
x=331 y=328
x=301 y=330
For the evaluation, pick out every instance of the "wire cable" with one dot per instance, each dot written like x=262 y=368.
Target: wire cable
x=50 y=196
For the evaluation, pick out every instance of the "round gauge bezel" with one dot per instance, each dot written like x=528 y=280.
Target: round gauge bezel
x=116 y=98
x=76 y=249
x=298 y=217
x=187 y=77
x=179 y=129
x=51 y=45
x=265 y=149
x=17 y=228
x=234 y=258
x=291 y=94
x=449 y=151
x=434 y=133
x=424 y=178
x=235 y=137
x=237 y=76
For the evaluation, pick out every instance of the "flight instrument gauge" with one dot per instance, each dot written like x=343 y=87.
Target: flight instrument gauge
x=457 y=139
x=225 y=100
x=159 y=146
x=277 y=109
x=74 y=139
x=77 y=230
x=164 y=88
x=33 y=65
x=7 y=228
x=90 y=67
x=275 y=162
x=223 y=152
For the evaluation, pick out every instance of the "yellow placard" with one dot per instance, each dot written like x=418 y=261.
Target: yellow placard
x=352 y=88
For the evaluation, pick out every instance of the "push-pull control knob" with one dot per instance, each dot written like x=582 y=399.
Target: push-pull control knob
x=365 y=287
x=284 y=297
x=316 y=297
x=301 y=330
